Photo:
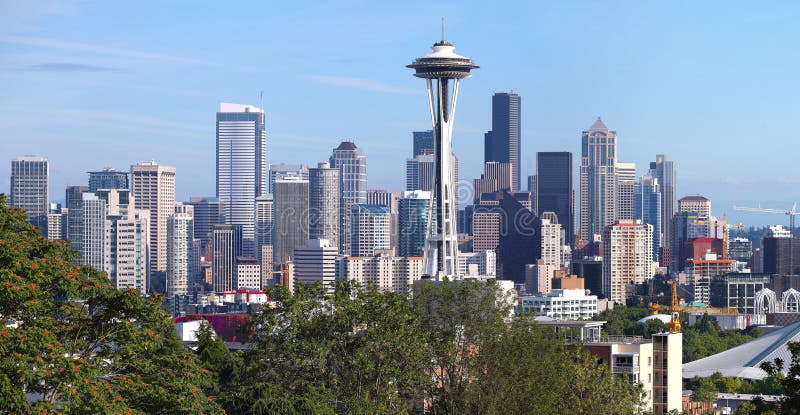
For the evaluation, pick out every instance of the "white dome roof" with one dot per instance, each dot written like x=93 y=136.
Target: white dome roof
x=665 y=318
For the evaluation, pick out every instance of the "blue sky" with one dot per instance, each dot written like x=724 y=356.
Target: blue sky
x=714 y=85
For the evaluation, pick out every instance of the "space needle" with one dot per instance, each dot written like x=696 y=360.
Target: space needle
x=442 y=70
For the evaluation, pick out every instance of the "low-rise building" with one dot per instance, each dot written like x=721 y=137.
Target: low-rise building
x=384 y=270
x=561 y=304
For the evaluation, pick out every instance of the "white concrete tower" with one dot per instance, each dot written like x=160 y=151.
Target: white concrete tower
x=442 y=69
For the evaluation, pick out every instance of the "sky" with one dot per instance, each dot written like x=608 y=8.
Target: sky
x=713 y=85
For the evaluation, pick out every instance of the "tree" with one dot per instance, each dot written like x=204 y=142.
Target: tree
x=223 y=365
x=791 y=383
x=75 y=344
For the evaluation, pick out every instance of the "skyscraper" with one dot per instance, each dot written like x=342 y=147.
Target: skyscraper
x=379 y=197
x=496 y=177
x=553 y=189
x=324 y=199
x=520 y=243
x=180 y=234
x=316 y=262
x=241 y=166
x=420 y=172
x=30 y=188
x=153 y=189
x=290 y=216
x=697 y=204
x=131 y=261
x=370 y=228
x=647 y=208
x=279 y=171
x=598 y=181
x=352 y=165
x=227 y=245
x=502 y=144
x=74 y=200
x=664 y=170
x=96 y=233
x=423 y=142
x=208 y=211
x=413 y=215
x=627 y=258
x=626 y=183
x=551 y=240
x=108 y=178
x=265 y=221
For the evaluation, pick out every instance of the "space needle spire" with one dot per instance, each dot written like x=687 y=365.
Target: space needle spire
x=442 y=70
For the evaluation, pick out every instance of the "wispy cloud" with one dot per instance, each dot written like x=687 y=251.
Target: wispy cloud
x=67 y=67
x=365 y=84
x=97 y=49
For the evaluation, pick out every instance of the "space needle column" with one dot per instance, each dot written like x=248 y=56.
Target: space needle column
x=442 y=69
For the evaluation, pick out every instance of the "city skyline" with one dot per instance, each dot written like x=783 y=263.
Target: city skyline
x=69 y=75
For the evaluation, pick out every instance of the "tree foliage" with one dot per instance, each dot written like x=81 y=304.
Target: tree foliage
x=74 y=344
x=445 y=349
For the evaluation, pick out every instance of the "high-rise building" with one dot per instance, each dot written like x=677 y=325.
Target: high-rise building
x=383 y=271
x=552 y=190
x=551 y=235
x=96 y=233
x=265 y=221
x=108 y=178
x=740 y=249
x=180 y=236
x=696 y=204
x=153 y=189
x=208 y=211
x=626 y=183
x=352 y=165
x=486 y=223
x=664 y=170
x=241 y=166
x=647 y=208
x=227 y=245
x=370 y=227
x=324 y=199
x=496 y=177
x=477 y=263
x=316 y=263
x=30 y=188
x=502 y=144
x=248 y=274
x=520 y=243
x=280 y=171
x=291 y=216
x=598 y=180
x=413 y=216
x=420 y=172
x=627 y=258
x=780 y=252
x=442 y=70
x=57 y=220
x=379 y=197
x=423 y=143
x=131 y=263
x=74 y=201
x=685 y=227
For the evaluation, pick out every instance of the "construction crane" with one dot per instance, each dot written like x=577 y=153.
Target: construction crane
x=791 y=213
x=675 y=308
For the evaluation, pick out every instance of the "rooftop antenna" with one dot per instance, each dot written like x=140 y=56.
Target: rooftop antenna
x=442 y=29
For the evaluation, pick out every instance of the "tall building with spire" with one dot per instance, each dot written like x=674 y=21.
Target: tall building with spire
x=502 y=143
x=352 y=165
x=241 y=166
x=598 y=182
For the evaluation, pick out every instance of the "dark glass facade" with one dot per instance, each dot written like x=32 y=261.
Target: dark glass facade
x=554 y=189
x=423 y=142
x=520 y=237
x=502 y=144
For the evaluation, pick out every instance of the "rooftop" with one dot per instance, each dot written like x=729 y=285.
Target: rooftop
x=347 y=145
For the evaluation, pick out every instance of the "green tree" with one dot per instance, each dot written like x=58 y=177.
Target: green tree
x=223 y=365
x=791 y=383
x=76 y=344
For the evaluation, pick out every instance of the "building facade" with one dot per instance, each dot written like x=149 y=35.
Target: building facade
x=208 y=211
x=153 y=189
x=227 y=246
x=413 y=216
x=626 y=184
x=383 y=271
x=370 y=228
x=180 y=253
x=241 y=166
x=352 y=165
x=291 y=211
x=627 y=258
x=598 y=190
x=108 y=178
x=30 y=188
x=552 y=190
x=664 y=170
x=316 y=263
x=502 y=143
x=647 y=208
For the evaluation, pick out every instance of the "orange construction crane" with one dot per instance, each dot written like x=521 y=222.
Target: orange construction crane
x=675 y=309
